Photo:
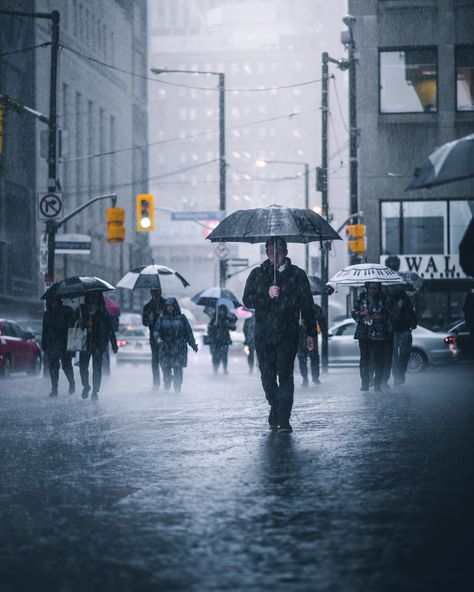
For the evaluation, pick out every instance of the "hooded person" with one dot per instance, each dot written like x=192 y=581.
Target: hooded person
x=280 y=293
x=57 y=319
x=172 y=332
x=218 y=330
x=151 y=312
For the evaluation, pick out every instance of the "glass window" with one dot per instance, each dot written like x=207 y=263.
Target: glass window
x=408 y=81
x=424 y=228
x=460 y=214
x=348 y=329
x=465 y=78
x=391 y=228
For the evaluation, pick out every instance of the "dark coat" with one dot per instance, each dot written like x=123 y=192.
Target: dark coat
x=378 y=329
x=249 y=331
x=56 y=323
x=175 y=334
x=402 y=318
x=154 y=307
x=278 y=319
x=219 y=329
x=99 y=327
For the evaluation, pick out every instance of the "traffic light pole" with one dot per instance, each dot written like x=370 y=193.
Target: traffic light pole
x=222 y=168
x=325 y=210
x=52 y=227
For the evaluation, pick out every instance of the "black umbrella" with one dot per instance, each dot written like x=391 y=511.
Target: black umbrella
x=75 y=286
x=450 y=162
x=317 y=286
x=466 y=250
x=257 y=225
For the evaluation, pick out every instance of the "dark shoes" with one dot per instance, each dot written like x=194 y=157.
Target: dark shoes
x=364 y=388
x=285 y=428
x=273 y=420
x=94 y=396
x=316 y=381
x=377 y=389
x=72 y=388
x=85 y=392
x=305 y=382
x=53 y=394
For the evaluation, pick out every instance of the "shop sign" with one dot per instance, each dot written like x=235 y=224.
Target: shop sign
x=430 y=267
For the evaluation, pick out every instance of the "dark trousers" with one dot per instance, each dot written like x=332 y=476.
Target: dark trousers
x=155 y=363
x=388 y=358
x=276 y=362
x=251 y=357
x=220 y=354
x=173 y=374
x=401 y=354
x=84 y=358
x=313 y=355
x=65 y=359
x=371 y=350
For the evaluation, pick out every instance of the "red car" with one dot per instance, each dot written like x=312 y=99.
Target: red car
x=19 y=352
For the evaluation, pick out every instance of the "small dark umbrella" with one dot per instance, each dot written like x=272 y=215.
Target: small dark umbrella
x=466 y=250
x=75 y=286
x=450 y=162
x=317 y=286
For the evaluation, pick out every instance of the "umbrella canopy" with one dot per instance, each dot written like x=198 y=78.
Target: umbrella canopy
x=450 y=162
x=317 y=286
x=466 y=250
x=211 y=297
x=257 y=225
x=75 y=286
x=111 y=306
x=413 y=282
x=148 y=276
x=357 y=275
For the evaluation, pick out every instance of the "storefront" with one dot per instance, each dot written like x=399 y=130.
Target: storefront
x=425 y=235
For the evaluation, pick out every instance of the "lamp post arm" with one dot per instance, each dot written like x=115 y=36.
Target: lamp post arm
x=112 y=196
x=354 y=215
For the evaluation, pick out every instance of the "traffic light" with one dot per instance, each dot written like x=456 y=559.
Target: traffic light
x=356 y=238
x=115 y=225
x=145 y=213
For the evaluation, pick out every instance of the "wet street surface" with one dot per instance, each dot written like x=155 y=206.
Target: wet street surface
x=152 y=490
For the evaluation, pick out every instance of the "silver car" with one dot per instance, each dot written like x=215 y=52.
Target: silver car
x=428 y=349
x=133 y=344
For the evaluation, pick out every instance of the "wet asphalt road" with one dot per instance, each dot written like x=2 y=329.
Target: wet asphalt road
x=146 y=490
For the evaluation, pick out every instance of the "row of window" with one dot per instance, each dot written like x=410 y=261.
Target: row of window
x=433 y=227
x=409 y=79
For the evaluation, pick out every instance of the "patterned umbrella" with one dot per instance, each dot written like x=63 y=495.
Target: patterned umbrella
x=211 y=297
x=413 y=282
x=148 y=276
x=450 y=162
x=357 y=275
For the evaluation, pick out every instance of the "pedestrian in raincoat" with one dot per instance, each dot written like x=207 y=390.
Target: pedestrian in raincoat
x=280 y=293
x=172 y=333
x=57 y=319
x=151 y=312
x=218 y=331
x=372 y=332
x=402 y=321
x=249 y=343
x=313 y=355
x=93 y=316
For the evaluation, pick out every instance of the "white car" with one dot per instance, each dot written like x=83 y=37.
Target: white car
x=133 y=344
x=428 y=348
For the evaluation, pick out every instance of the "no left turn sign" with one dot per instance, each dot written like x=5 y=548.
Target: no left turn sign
x=50 y=206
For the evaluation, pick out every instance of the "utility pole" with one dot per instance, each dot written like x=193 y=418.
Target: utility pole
x=222 y=168
x=306 y=205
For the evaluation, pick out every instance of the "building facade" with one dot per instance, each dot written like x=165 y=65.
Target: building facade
x=415 y=85
x=102 y=108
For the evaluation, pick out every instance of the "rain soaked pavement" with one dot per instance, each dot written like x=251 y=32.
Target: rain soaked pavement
x=146 y=490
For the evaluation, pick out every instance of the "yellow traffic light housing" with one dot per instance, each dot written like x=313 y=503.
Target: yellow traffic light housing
x=356 y=236
x=145 y=213
x=115 y=225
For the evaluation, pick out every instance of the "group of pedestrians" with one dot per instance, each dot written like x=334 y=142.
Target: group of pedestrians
x=385 y=319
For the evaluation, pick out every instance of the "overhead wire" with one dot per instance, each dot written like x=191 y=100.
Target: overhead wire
x=23 y=49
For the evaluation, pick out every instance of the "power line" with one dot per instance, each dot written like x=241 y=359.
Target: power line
x=8 y=53
x=227 y=90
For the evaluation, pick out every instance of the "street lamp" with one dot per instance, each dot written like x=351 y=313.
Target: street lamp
x=263 y=163
x=222 y=163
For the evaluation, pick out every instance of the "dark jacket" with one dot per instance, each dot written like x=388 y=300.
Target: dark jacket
x=154 y=307
x=278 y=319
x=219 y=329
x=99 y=327
x=249 y=331
x=402 y=318
x=56 y=322
x=376 y=329
x=175 y=334
x=319 y=327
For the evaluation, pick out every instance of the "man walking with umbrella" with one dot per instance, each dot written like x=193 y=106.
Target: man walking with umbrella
x=151 y=312
x=279 y=292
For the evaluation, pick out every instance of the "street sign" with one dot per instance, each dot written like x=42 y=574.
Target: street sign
x=50 y=206
x=44 y=252
x=222 y=251
x=73 y=244
x=238 y=262
x=217 y=215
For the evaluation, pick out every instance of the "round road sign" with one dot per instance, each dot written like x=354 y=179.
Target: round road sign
x=50 y=206
x=222 y=251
